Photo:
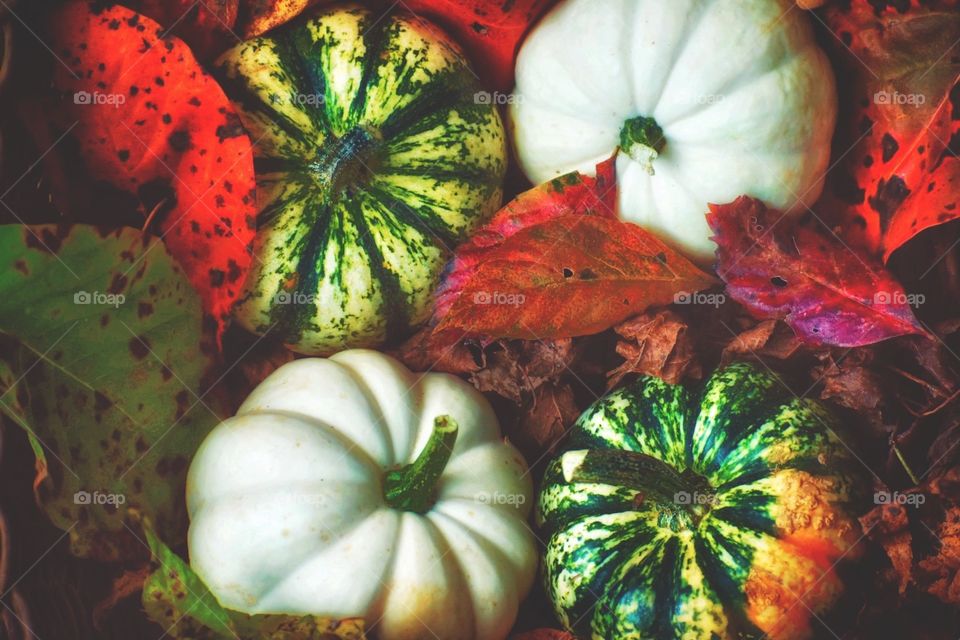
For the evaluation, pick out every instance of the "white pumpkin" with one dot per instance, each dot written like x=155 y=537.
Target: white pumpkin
x=707 y=99
x=309 y=501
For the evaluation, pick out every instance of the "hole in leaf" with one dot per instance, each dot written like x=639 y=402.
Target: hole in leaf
x=778 y=282
x=567 y=272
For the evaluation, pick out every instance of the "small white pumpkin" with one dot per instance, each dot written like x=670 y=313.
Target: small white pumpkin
x=334 y=491
x=707 y=99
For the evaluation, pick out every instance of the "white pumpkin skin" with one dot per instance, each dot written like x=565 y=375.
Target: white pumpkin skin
x=745 y=98
x=288 y=514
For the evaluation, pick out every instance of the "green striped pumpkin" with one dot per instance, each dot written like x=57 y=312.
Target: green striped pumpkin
x=374 y=158
x=699 y=517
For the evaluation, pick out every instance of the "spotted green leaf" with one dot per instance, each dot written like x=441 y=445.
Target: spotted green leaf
x=103 y=339
x=175 y=598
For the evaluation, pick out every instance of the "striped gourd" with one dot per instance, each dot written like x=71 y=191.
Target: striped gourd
x=699 y=517
x=374 y=157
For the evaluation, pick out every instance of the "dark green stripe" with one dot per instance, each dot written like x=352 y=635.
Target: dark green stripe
x=423 y=219
x=446 y=91
x=300 y=58
x=394 y=308
x=667 y=584
x=729 y=592
x=751 y=513
x=292 y=319
x=487 y=179
x=375 y=41
x=274 y=209
x=610 y=554
x=751 y=398
x=239 y=92
x=272 y=164
x=623 y=608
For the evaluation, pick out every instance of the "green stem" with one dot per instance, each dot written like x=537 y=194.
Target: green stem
x=347 y=161
x=906 y=467
x=642 y=139
x=413 y=487
x=645 y=474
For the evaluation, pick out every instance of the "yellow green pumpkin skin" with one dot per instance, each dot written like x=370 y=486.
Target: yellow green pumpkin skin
x=673 y=515
x=374 y=158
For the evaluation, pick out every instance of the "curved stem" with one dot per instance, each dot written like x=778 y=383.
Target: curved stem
x=413 y=487
x=645 y=474
x=642 y=139
x=347 y=161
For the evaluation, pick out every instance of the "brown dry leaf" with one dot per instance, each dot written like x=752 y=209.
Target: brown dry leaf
x=936 y=361
x=849 y=382
x=769 y=338
x=655 y=344
x=515 y=369
x=887 y=524
x=947 y=486
x=420 y=353
x=546 y=421
x=944 y=579
x=943 y=454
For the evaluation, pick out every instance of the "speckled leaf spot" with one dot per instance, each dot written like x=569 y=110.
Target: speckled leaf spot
x=373 y=160
x=903 y=174
x=156 y=127
x=108 y=337
x=674 y=516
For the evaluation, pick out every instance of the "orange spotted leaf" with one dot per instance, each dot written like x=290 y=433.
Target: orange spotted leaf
x=556 y=263
x=152 y=126
x=903 y=118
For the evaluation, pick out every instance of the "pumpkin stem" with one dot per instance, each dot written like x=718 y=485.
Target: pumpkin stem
x=413 y=486
x=686 y=492
x=642 y=139
x=345 y=162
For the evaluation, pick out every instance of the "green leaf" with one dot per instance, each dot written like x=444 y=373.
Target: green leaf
x=106 y=367
x=175 y=598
